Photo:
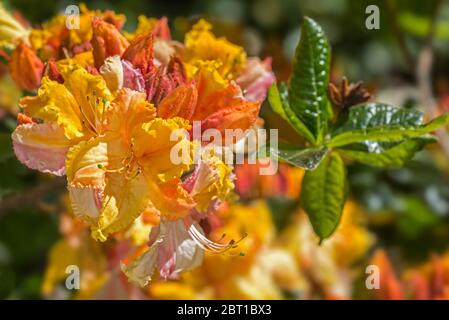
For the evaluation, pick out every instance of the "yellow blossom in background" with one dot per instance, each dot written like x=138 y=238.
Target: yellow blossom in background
x=253 y=270
x=201 y=44
x=77 y=249
x=9 y=95
x=11 y=31
x=329 y=264
x=53 y=31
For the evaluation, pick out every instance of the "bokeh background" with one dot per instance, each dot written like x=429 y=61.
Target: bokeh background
x=405 y=211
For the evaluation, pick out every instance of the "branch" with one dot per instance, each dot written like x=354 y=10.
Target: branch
x=424 y=77
x=392 y=12
x=32 y=196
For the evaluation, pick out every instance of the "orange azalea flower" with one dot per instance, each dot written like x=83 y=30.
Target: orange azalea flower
x=390 y=286
x=113 y=178
x=250 y=184
x=106 y=41
x=26 y=68
x=428 y=281
x=140 y=53
x=218 y=104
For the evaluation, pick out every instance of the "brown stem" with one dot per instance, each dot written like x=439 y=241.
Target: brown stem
x=32 y=196
x=392 y=12
x=424 y=76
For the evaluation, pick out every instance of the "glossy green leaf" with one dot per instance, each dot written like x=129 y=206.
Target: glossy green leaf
x=323 y=194
x=278 y=98
x=382 y=122
x=310 y=78
x=385 y=154
x=307 y=159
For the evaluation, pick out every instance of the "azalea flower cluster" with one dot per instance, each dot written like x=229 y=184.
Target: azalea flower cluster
x=428 y=281
x=102 y=109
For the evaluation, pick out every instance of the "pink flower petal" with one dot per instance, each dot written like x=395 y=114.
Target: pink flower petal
x=41 y=147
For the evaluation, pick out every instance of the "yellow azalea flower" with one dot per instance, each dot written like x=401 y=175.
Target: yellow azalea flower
x=11 y=31
x=114 y=178
x=272 y=272
x=201 y=44
x=85 y=254
x=352 y=240
x=9 y=94
x=53 y=28
x=328 y=264
x=76 y=105
x=239 y=222
x=67 y=113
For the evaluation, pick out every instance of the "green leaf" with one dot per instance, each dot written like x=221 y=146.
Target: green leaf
x=307 y=159
x=278 y=98
x=382 y=122
x=276 y=101
x=310 y=78
x=386 y=154
x=323 y=195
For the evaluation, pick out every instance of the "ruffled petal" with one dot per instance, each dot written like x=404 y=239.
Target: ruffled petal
x=85 y=163
x=201 y=44
x=211 y=180
x=91 y=94
x=153 y=147
x=124 y=199
x=170 y=199
x=141 y=270
x=86 y=203
x=55 y=104
x=177 y=252
x=240 y=116
x=126 y=113
x=172 y=251
x=41 y=147
x=112 y=73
